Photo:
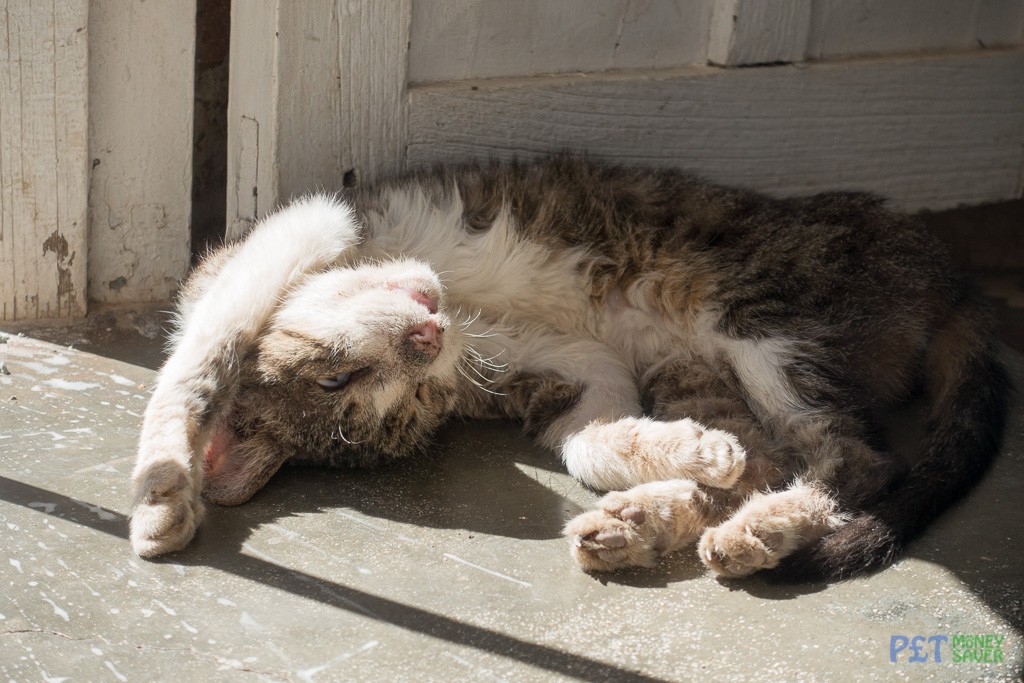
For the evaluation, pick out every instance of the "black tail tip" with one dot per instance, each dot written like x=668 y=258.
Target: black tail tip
x=864 y=546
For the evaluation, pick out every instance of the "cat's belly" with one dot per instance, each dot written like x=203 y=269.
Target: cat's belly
x=640 y=334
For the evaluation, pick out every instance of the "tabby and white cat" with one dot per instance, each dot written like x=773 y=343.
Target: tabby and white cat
x=714 y=357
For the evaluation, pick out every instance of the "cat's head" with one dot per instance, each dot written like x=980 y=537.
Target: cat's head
x=358 y=365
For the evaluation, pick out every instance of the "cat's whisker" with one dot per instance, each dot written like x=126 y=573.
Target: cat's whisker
x=341 y=436
x=492 y=367
x=480 y=374
x=475 y=382
x=488 y=363
x=469 y=321
x=464 y=325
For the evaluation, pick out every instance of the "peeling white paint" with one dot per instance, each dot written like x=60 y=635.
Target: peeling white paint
x=37 y=367
x=165 y=608
x=489 y=571
x=121 y=677
x=71 y=386
x=100 y=512
x=57 y=610
x=118 y=379
x=249 y=624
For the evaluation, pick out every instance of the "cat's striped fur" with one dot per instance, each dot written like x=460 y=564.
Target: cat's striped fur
x=715 y=357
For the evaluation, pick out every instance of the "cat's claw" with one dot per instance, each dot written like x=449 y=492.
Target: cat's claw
x=167 y=511
x=733 y=552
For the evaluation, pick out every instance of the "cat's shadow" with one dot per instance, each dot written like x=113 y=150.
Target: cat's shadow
x=481 y=477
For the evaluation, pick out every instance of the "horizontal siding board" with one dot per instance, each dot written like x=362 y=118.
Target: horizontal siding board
x=460 y=39
x=757 y=32
x=843 y=28
x=929 y=132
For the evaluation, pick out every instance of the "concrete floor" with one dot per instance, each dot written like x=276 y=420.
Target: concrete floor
x=447 y=568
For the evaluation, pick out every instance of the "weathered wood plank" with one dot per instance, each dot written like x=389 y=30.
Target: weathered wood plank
x=141 y=76
x=459 y=39
x=43 y=159
x=758 y=32
x=252 y=113
x=317 y=99
x=928 y=132
x=843 y=28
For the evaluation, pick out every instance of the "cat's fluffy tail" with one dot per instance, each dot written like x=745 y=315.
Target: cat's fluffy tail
x=969 y=394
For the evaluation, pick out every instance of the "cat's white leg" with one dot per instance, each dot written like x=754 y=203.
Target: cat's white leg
x=196 y=384
x=767 y=528
x=637 y=526
x=625 y=452
x=603 y=440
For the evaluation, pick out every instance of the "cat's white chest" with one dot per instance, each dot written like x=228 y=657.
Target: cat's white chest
x=493 y=271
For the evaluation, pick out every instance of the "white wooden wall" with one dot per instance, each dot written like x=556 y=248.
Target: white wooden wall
x=43 y=159
x=95 y=152
x=907 y=98
x=921 y=100
x=317 y=90
x=141 y=58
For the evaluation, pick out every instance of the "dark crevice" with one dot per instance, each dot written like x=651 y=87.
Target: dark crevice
x=210 y=126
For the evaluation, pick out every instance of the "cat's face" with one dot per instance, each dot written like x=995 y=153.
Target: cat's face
x=359 y=365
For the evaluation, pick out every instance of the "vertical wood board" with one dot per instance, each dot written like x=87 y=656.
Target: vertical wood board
x=929 y=132
x=374 y=72
x=317 y=99
x=141 y=76
x=43 y=159
x=252 y=114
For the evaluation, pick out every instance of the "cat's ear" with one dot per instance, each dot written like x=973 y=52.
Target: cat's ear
x=278 y=353
x=234 y=469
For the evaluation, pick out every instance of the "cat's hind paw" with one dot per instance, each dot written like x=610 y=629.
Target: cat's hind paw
x=167 y=511
x=767 y=528
x=634 y=528
x=616 y=535
x=734 y=552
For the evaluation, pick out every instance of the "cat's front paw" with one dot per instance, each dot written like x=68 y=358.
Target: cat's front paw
x=630 y=451
x=167 y=509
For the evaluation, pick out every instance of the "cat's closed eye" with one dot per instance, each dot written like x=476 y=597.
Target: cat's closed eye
x=336 y=382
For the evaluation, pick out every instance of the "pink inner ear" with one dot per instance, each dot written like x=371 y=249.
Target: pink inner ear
x=216 y=462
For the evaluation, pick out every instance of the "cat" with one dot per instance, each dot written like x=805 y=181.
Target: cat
x=714 y=358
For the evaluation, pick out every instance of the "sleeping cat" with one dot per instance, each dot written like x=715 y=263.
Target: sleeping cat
x=715 y=358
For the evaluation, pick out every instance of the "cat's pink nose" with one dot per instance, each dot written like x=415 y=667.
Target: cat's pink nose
x=426 y=338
